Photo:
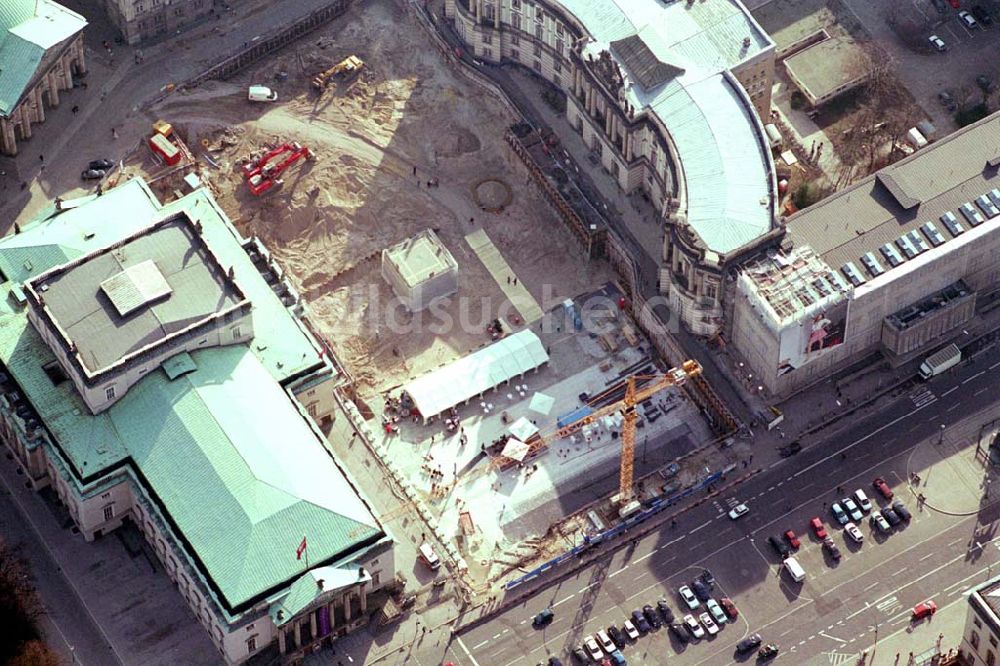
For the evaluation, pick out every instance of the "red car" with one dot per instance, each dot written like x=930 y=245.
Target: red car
x=729 y=607
x=955 y=3
x=793 y=540
x=924 y=609
x=817 y=527
x=882 y=487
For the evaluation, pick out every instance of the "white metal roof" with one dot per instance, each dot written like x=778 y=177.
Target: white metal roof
x=477 y=373
x=724 y=161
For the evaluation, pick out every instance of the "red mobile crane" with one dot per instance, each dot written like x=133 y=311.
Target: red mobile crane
x=262 y=173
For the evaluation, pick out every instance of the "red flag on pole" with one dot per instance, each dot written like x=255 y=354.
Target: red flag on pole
x=301 y=549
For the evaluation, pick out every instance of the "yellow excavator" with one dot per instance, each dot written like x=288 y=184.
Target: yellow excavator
x=343 y=73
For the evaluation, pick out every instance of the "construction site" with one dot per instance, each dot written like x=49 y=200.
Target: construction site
x=490 y=353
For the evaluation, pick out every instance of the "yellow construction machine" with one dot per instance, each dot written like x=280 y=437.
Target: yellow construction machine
x=343 y=73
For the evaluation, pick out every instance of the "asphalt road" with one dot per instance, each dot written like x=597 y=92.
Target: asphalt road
x=838 y=605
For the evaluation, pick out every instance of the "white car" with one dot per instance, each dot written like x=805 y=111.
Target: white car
x=693 y=626
x=631 y=631
x=937 y=43
x=709 y=623
x=851 y=508
x=688 y=596
x=853 y=532
x=593 y=649
x=739 y=511
x=881 y=523
x=862 y=500
x=967 y=19
x=606 y=642
x=716 y=610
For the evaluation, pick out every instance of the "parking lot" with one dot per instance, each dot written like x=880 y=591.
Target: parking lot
x=971 y=51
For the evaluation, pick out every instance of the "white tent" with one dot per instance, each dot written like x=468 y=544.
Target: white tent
x=523 y=429
x=541 y=403
x=477 y=373
x=515 y=449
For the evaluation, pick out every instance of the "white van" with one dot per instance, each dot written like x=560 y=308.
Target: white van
x=428 y=556
x=261 y=94
x=795 y=570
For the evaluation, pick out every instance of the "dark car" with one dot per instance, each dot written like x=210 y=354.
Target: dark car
x=901 y=511
x=769 y=651
x=981 y=14
x=749 y=643
x=707 y=576
x=985 y=82
x=639 y=620
x=668 y=615
x=831 y=548
x=701 y=590
x=779 y=546
x=554 y=661
x=679 y=632
x=789 y=449
x=891 y=516
x=542 y=618
x=93 y=174
x=580 y=656
x=652 y=616
x=104 y=165
x=947 y=101
x=616 y=636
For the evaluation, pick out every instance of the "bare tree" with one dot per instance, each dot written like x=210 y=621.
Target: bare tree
x=882 y=115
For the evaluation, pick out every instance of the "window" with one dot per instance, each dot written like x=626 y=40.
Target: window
x=710 y=290
x=538 y=31
x=515 y=4
x=109 y=512
x=312 y=409
x=974 y=640
x=976 y=622
x=538 y=50
x=109 y=393
x=252 y=644
x=237 y=332
x=993 y=641
x=487 y=39
x=539 y=16
x=556 y=65
x=376 y=578
x=990 y=658
x=515 y=54
x=487 y=53
x=537 y=66
x=556 y=80
x=515 y=40
x=559 y=45
x=559 y=29
x=515 y=20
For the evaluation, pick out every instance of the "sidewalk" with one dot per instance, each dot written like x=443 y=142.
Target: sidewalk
x=920 y=639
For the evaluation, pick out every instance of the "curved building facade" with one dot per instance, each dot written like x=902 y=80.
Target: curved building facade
x=668 y=96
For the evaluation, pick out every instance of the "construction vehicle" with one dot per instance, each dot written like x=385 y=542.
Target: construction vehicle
x=651 y=384
x=343 y=73
x=262 y=172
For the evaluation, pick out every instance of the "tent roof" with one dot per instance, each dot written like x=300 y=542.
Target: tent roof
x=476 y=373
x=541 y=403
x=515 y=449
x=523 y=429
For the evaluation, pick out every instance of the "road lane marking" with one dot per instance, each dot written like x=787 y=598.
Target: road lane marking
x=705 y=524
x=832 y=638
x=995 y=365
x=871 y=586
x=953 y=388
x=562 y=601
x=983 y=390
x=900 y=571
x=978 y=374
x=461 y=644
x=481 y=644
x=647 y=555
x=618 y=572
x=927 y=557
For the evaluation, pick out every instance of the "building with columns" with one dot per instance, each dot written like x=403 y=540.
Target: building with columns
x=669 y=95
x=41 y=48
x=155 y=369
x=143 y=20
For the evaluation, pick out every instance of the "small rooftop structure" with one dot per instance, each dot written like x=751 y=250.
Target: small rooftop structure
x=420 y=270
x=826 y=69
x=473 y=375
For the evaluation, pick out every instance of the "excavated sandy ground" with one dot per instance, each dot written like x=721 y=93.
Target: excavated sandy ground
x=329 y=222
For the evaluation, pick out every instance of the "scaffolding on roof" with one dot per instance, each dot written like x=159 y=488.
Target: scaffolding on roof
x=792 y=283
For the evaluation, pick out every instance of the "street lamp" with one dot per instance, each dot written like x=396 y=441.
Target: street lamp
x=941 y=440
x=876 y=641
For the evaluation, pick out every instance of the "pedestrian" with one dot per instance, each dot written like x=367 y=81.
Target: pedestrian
x=114 y=133
x=414 y=169
x=515 y=282
x=508 y=279
x=41 y=158
x=75 y=109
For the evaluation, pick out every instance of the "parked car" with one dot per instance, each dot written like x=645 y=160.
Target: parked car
x=580 y=656
x=769 y=651
x=839 y=513
x=967 y=19
x=831 y=548
x=946 y=100
x=817 y=527
x=937 y=43
x=640 y=621
x=716 y=610
x=981 y=14
x=652 y=616
x=891 y=516
x=793 y=540
x=883 y=487
x=879 y=521
x=701 y=589
x=707 y=576
x=688 y=596
x=93 y=174
x=924 y=609
x=592 y=648
x=955 y=3
x=606 y=643
x=901 y=511
x=630 y=630
x=779 y=546
x=555 y=661
x=105 y=165
x=710 y=626
x=617 y=637
x=739 y=511
x=679 y=632
x=751 y=642
x=664 y=607
x=729 y=607
x=852 y=509
x=861 y=498
x=853 y=532
x=693 y=627
x=789 y=450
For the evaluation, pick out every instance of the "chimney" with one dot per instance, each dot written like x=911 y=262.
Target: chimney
x=746 y=42
x=361 y=573
x=319 y=583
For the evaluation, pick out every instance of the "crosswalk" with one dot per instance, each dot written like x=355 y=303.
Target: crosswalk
x=838 y=658
x=923 y=396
